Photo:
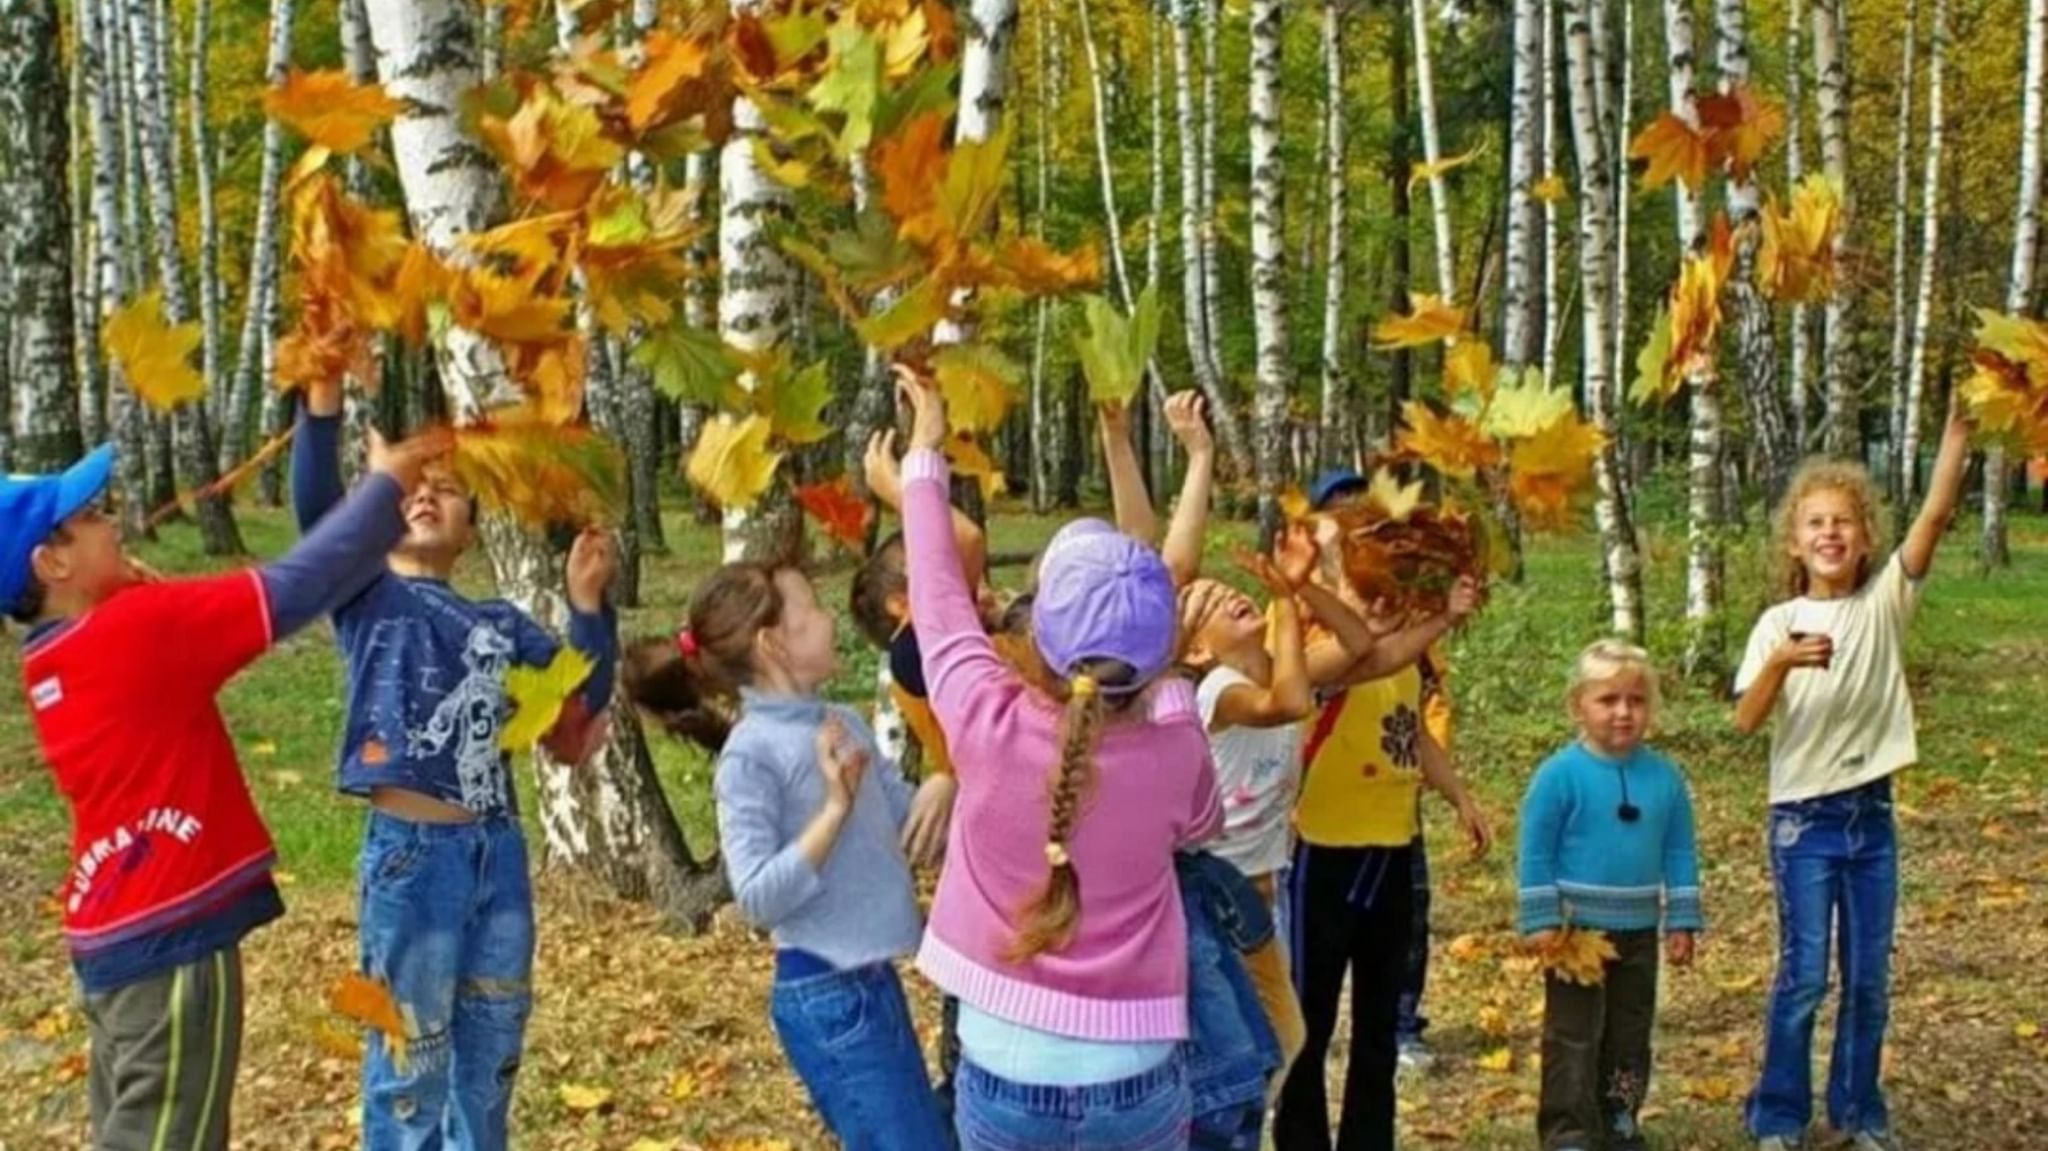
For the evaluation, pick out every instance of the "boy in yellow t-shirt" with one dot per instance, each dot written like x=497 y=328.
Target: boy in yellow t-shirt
x=1352 y=890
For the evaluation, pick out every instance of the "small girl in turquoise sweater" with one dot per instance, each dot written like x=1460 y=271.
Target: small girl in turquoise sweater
x=1607 y=845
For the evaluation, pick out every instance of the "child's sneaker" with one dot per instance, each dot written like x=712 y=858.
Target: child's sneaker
x=1415 y=1058
x=1875 y=1141
x=1781 y=1143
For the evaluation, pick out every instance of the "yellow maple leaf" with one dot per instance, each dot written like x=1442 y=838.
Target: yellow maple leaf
x=1525 y=407
x=155 y=356
x=731 y=464
x=979 y=384
x=2018 y=340
x=1740 y=127
x=369 y=1002
x=1548 y=469
x=1421 y=170
x=1294 y=503
x=668 y=64
x=583 y=1100
x=1470 y=367
x=1447 y=443
x=1696 y=314
x=1578 y=956
x=971 y=459
x=518 y=460
x=1674 y=149
x=1499 y=1060
x=537 y=695
x=1550 y=189
x=331 y=109
x=1796 y=261
x=1429 y=319
x=1395 y=500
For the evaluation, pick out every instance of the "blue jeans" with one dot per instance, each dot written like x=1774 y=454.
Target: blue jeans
x=1148 y=1112
x=1835 y=860
x=849 y=1036
x=1409 y=1021
x=447 y=921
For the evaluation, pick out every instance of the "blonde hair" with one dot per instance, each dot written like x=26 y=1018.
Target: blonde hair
x=1820 y=474
x=1607 y=659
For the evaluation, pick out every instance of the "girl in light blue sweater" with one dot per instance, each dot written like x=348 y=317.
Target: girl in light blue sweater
x=1607 y=845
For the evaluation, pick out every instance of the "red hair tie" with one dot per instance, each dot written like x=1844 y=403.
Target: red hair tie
x=686 y=642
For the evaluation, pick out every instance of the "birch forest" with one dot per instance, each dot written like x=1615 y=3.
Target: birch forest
x=1589 y=277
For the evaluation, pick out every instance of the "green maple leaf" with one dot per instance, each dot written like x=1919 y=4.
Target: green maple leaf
x=691 y=365
x=1523 y=409
x=872 y=256
x=795 y=403
x=929 y=89
x=975 y=177
x=851 y=85
x=1114 y=350
x=911 y=316
x=1652 y=363
x=623 y=226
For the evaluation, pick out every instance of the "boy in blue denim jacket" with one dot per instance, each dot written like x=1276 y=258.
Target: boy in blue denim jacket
x=447 y=908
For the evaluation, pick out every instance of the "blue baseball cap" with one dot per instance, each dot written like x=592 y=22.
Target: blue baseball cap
x=1103 y=595
x=1334 y=483
x=33 y=507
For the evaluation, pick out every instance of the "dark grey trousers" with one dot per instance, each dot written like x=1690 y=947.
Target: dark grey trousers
x=164 y=1054
x=1596 y=1051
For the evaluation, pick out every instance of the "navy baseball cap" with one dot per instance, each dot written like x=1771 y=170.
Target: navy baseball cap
x=33 y=507
x=1334 y=483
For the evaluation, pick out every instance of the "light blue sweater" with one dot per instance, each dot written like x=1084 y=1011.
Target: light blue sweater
x=860 y=908
x=1583 y=864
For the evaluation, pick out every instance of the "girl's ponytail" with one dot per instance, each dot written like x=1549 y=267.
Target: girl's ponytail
x=687 y=681
x=1049 y=921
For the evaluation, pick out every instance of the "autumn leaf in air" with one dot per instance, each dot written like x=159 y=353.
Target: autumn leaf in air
x=558 y=153
x=2006 y=392
x=1795 y=261
x=537 y=695
x=1032 y=266
x=540 y=472
x=1114 y=350
x=731 y=464
x=1550 y=189
x=793 y=400
x=1696 y=308
x=840 y=513
x=1525 y=407
x=1655 y=382
x=979 y=384
x=1547 y=470
x=1470 y=368
x=155 y=356
x=1429 y=321
x=370 y=1003
x=969 y=458
x=669 y=65
x=330 y=109
x=1674 y=149
x=1421 y=171
x=1741 y=126
x=1447 y=443
x=1394 y=499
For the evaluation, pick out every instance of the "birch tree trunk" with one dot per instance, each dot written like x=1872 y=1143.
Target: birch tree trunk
x=110 y=269
x=205 y=164
x=1432 y=151
x=1831 y=70
x=1212 y=259
x=1994 y=546
x=87 y=361
x=1333 y=434
x=1902 y=194
x=756 y=304
x=1799 y=387
x=1269 y=262
x=608 y=816
x=1162 y=438
x=259 y=308
x=1704 y=648
x=121 y=72
x=639 y=406
x=1044 y=441
x=1756 y=342
x=193 y=436
x=1617 y=534
x=1196 y=244
x=1519 y=303
x=1553 y=319
x=1400 y=383
x=43 y=390
x=1623 y=115
x=1930 y=255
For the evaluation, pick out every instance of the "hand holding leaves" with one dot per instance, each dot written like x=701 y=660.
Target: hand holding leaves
x=593 y=561
x=928 y=428
x=407 y=460
x=1468 y=595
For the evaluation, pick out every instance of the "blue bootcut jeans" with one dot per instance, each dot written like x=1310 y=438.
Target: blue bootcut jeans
x=447 y=922
x=1835 y=861
x=849 y=1035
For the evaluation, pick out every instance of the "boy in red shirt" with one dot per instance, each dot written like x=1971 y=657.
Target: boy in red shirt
x=171 y=863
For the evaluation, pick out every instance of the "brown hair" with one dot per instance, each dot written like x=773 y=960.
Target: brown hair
x=880 y=578
x=1820 y=474
x=687 y=681
x=1048 y=922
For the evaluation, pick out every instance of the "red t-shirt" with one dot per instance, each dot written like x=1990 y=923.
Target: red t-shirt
x=123 y=700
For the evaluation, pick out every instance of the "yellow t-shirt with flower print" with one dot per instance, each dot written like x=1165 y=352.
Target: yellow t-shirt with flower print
x=1363 y=760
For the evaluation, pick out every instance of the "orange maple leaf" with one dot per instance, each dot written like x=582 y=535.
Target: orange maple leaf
x=1674 y=149
x=843 y=515
x=330 y=109
x=1429 y=320
x=1447 y=443
x=662 y=83
x=542 y=473
x=1796 y=259
x=370 y=1003
x=1740 y=127
x=1032 y=266
x=912 y=165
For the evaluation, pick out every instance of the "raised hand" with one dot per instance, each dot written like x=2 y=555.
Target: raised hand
x=884 y=473
x=1295 y=553
x=928 y=428
x=593 y=561
x=1187 y=418
x=1468 y=595
x=407 y=460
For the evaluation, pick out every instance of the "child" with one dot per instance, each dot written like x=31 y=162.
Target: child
x=811 y=838
x=446 y=904
x=1826 y=667
x=1350 y=904
x=1607 y=845
x=172 y=865
x=1058 y=922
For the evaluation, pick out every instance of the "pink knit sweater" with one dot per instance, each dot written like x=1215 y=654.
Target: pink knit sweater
x=1124 y=975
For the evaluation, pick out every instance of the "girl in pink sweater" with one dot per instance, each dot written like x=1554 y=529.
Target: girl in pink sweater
x=1058 y=921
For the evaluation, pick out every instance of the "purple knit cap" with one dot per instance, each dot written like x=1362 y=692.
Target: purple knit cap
x=1103 y=595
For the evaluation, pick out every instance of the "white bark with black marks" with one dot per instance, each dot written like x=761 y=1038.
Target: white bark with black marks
x=110 y=270
x=1902 y=195
x=1521 y=321
x=1273 y=388
x=259 y=307
x=1930 y=256
x=1432 y=151
x=1843 y=436
x=1994 y=547
x=1799 y=387
x=1333 y=433
x=1751 y=315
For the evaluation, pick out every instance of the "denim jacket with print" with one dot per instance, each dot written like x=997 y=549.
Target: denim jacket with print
x=1231 y=1049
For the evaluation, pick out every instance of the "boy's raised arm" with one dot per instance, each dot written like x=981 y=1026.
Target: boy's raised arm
x=316 y=455
x=1182 y=551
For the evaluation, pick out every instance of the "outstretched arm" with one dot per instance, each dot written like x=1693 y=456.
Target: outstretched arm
x=316 y=454
x=1134 y=514
x=885 y=480
x=1182 y=551
x=1944 y=488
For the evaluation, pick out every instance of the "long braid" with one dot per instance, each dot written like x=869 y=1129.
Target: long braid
x=1048 y=922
